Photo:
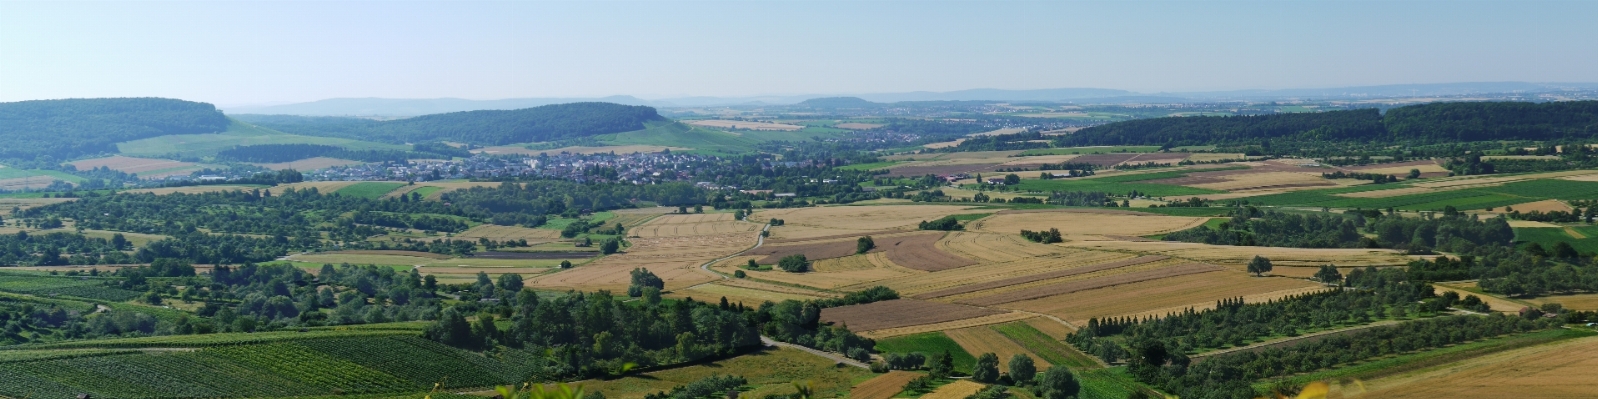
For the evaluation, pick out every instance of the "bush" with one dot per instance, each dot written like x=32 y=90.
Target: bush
x=794 y=263
x=946 y=223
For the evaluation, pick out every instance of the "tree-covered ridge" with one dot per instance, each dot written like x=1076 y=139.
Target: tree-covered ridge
x=74 y=127
x=1428 y=123
x=538 y=124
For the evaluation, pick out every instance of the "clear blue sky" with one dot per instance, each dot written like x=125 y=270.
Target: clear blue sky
x=236 y=53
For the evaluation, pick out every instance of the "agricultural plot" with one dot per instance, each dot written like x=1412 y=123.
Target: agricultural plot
x=1092 y=284
x=368 y=189
x=237 y=134
x=955 y=390
x=812 y=250
x=1045 y=349
x=676 y=259
x=918 y=251
x=50 y=286
x=913 y=285
x=509 y=233
x=770 y=371
x=1556 y=370
x=884 y=386
x=752 y=296
x=827 y=274
x=146 y=168
x=195 y=189
x=1077 y=224
x=1038 y=277
x=1199 y=291
x=989 y=248
x=984 y=339
x=861 y=219
x=22 y=204
x=693 y=225
x=1236 y=256
x=1094 y=150
x=1581 y=302
x=308 y=164
x=899 y=313
x=619 y=149
x=930 y=343
x=746 y=125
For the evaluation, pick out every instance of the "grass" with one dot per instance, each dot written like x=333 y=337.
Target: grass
x=768 y=372
x=930 y=343
x=1092 y=150
x=969 y=216
x=673 y=134
x=1548 y=236
x=426 y=191
x=14 y=173
x=237 y=134
x=370 y=189
x=1111 y=186
x=1438 y=357
x=1051 y=350
x=871 y=166
x=1108 y=383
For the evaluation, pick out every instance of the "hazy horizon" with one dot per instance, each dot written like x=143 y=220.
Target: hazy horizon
x=253 y=53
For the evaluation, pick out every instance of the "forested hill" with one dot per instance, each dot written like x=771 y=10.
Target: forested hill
x=1417 y=123
x=65 y=129
x=545 y=123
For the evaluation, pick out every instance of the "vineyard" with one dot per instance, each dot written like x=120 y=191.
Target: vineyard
x=351 y=363
x=80 y=287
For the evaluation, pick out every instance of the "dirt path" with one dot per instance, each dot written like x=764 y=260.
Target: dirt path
x=829 y=355
x=759 y=240
x=1291 y=339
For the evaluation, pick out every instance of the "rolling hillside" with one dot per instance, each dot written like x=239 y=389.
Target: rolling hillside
x=538 y=124
x=75 y=127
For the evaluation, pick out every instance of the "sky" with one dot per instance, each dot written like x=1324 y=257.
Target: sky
x=253 y=53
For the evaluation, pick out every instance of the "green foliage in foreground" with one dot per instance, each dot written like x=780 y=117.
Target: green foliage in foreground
x=930 y=343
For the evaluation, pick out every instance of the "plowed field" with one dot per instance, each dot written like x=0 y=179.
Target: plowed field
x=1093 y=284
x=1167 y=294
x=884 y=386
x=900 y=313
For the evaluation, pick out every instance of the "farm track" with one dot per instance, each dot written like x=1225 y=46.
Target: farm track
x=1290 y=340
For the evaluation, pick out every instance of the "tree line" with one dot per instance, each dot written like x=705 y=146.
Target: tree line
x=488 y=127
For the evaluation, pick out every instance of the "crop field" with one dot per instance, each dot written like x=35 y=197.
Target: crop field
x=1093 y=150
x=1167 y=294
x=769 y=372
x=1046 y=349
x=1548 y=236
x=237 y=134
x=195 y=189
x=43 y=285
x=674 y=259
x=751 y=296
x=6 y=204
x=955 y=390
x=1582 y=302
x=144 y=167
x=1070 y=287
x=747 y=125
x=1238 y=256
x=1076 y=224
x=1556 y=370
x=928 y=282
x=308 y=164
x=1015 y=281
x=830 y=273
x=507 y=233
x=984 y=339
x=919 y=251
x=369 y=189
x=930 y=343
x=692 y=225
x=812 y=250
x=989 y=248
x=1111 y=186
x=947 y=325
x=883 y=386
x=862 y=219
x=900 y=313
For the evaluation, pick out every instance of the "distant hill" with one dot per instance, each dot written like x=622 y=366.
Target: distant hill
x=544 y=123
x=838 y=102
x=414 y=107
x=1436 y=122
x=69 y=128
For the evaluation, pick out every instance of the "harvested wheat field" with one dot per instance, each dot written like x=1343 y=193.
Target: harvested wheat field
x=749 y=296
x=1047 y=326
x=308 y=164
x=1093 y=284
x=1544 y=206
x=508 y=233
x=944 y=144
x=900 y=313
x=812 y=250
x=919 y=251
x=830 y=273
x=1557 y=370
x=1494 y=303
x=692 y=225
x=846 y=219
x=1582 y=302
x=146 y=168
x=956 y=390
x=1014 y=281
x=324 y=187
x=1226 y=255
x=1083 y=224
x=675 y=259
x=883 y=386
x=946 y=326
x=1195 y=290
x=982 y=339
x=194 y=189
x=990 y=248
x=1212 y=157
x=928 y=282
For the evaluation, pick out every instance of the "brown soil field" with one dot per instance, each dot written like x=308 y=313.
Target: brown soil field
x=858 y=126
x=848 y=219
x=956 y=390
x=884 y=386
x=900 y=313
x=928 y=282
x=1543 y=206
x=1558 y=370
x=1105 y=160
x=1582 y=302
x=1081 y=224
x=989 y=248
x=1193 y=290
x=1039 y=277
x=920 y=252
x=308 y=164
x=946 y=326
x=1266 y=179
x=982 y=339
x=1210 y=157
x=829 y=274
x=505 y=233
x=1239 y=256
x=139 y=166
x=1094 y=284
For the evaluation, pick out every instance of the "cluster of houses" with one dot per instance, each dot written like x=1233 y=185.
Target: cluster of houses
x=636 y=168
